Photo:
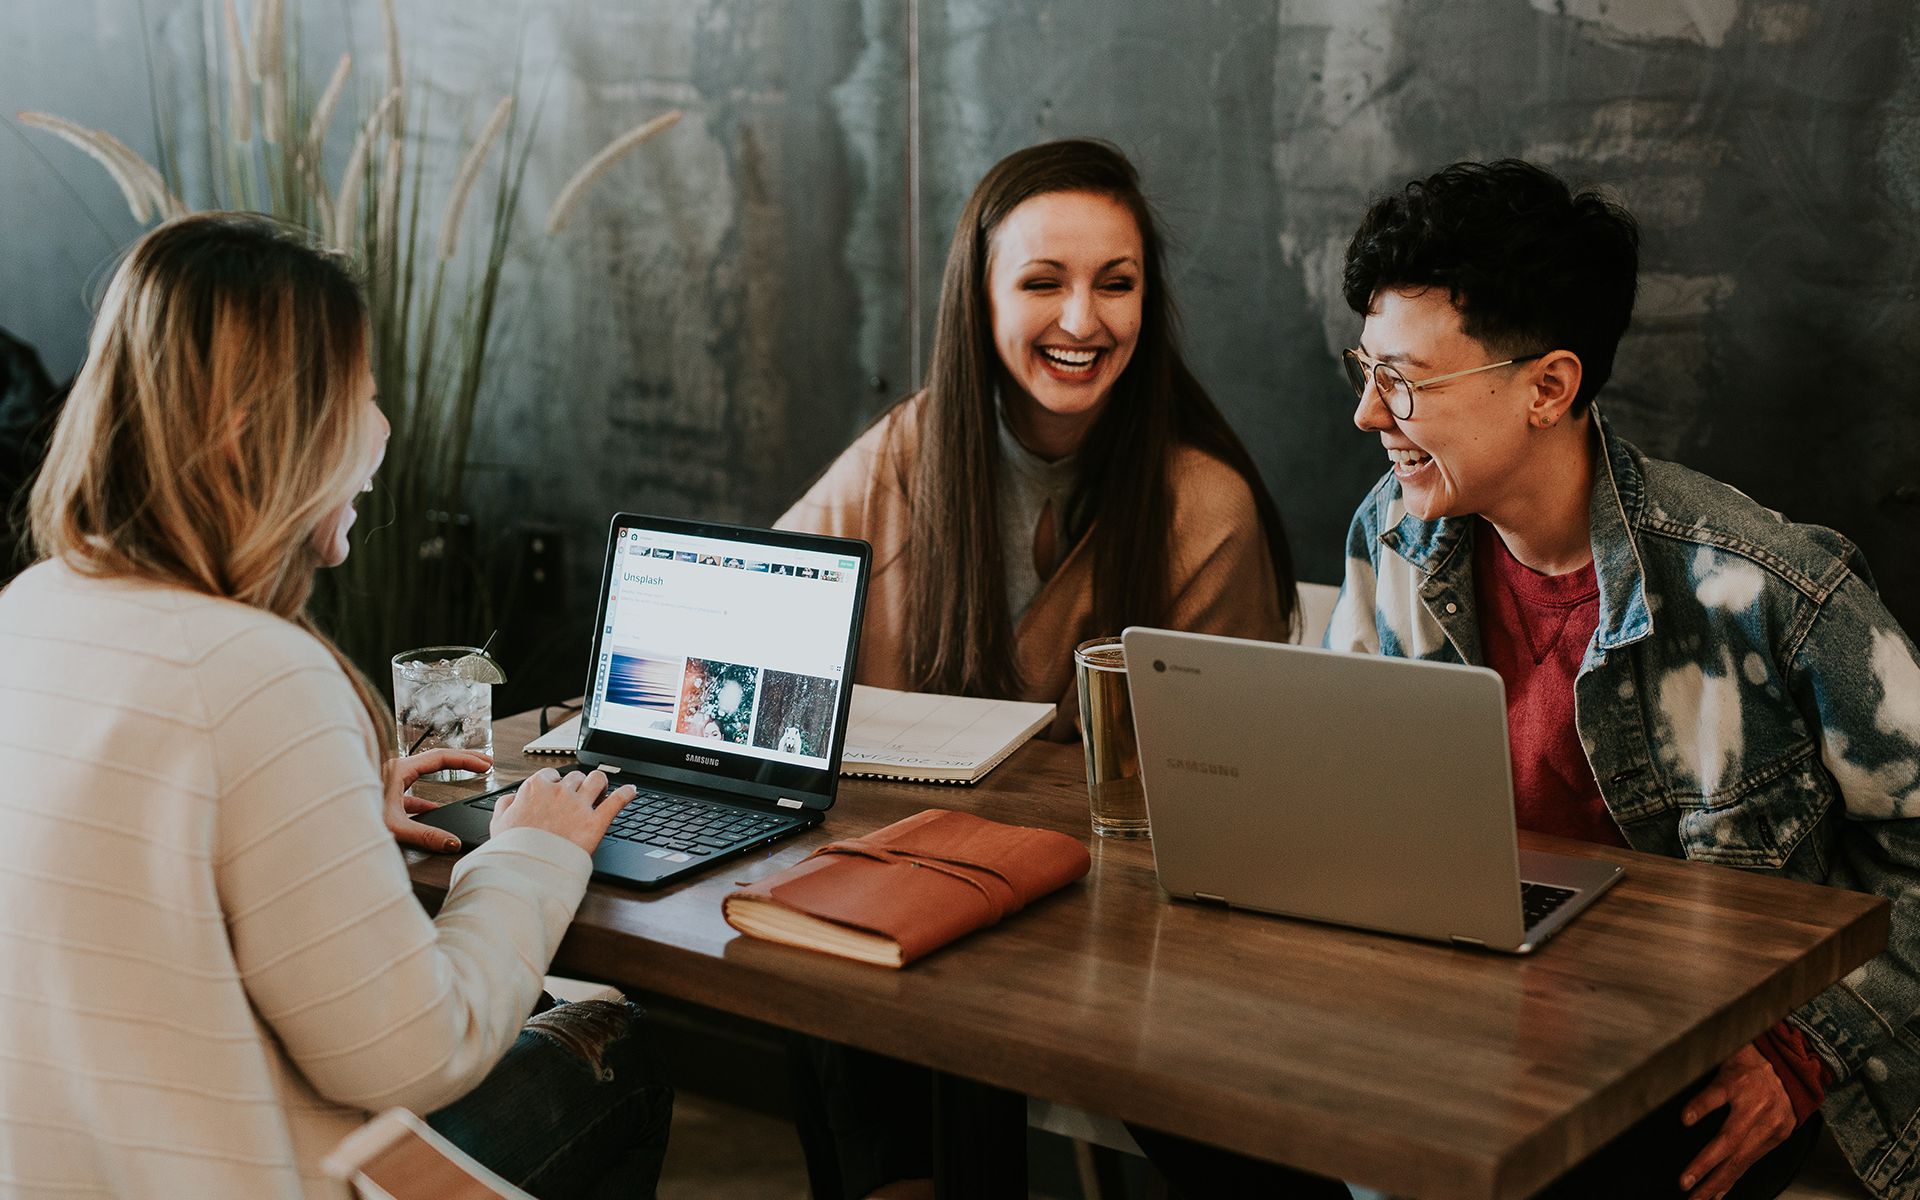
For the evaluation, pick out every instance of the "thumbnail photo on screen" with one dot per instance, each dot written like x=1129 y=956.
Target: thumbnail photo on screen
x=716 y=700
x=648 y=683
x=796 y=713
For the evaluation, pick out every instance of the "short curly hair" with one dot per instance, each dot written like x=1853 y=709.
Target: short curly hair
x=1531 y=265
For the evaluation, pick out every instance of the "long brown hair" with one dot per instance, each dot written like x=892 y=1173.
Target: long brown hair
x=216 y=421
x=961 y=639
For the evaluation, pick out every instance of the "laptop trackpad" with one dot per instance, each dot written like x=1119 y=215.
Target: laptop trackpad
x=463 y=821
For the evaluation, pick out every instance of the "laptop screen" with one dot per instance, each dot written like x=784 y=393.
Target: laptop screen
x=724 y=654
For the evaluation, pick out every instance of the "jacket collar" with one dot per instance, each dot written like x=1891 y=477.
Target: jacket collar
x=1619 y=496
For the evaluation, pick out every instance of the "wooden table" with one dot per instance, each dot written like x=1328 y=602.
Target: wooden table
x=1419 y=1069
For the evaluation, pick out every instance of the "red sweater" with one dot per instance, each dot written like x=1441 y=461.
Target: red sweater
x=1534 y=631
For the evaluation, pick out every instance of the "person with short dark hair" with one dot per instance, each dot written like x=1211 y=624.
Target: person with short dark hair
x=1687 y=673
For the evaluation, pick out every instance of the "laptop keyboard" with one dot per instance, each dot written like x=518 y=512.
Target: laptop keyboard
x=1539 y=900
x=692 y=827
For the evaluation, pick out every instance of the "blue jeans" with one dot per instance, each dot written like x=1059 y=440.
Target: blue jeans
x=577 y=1107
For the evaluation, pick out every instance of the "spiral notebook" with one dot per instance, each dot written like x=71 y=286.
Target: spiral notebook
x=913 y=736
x=924 y=738
x=563 y=738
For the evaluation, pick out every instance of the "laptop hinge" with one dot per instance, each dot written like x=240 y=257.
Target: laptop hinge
x=1467 y=941
x=786 y=803
x=1210 y=898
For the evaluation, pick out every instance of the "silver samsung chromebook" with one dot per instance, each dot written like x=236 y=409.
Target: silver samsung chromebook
x=1358 y=789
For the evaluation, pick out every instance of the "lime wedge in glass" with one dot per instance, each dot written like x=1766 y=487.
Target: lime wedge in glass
x=481 y=668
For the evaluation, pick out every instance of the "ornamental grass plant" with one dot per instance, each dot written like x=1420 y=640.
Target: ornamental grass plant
x=432 y=262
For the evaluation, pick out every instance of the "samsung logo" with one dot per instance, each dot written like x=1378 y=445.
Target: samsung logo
x=707 y=761
x=1203 y=768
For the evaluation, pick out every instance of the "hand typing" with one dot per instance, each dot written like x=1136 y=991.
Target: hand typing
x=566 y=806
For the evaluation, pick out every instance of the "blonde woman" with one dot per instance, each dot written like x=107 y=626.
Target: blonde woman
x=212 y=966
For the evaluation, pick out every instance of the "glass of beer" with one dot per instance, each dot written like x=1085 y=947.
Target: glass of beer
x=1118 y=803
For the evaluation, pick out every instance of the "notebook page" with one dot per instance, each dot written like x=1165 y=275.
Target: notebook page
x=563 y=738
x=916 y=731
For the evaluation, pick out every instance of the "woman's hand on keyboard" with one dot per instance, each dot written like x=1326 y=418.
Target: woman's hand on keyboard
x=571 y=806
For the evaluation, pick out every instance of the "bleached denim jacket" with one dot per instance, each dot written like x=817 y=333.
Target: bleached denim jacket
x=1746 y=700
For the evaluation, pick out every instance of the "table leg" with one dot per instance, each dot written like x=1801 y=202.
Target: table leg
x=979 y=1140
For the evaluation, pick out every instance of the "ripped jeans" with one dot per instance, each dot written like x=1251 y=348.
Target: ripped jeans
x=577 y=1108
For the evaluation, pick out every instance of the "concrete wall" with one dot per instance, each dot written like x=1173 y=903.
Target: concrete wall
x=728 y=311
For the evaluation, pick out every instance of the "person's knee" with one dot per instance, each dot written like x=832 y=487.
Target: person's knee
x=603 y=1034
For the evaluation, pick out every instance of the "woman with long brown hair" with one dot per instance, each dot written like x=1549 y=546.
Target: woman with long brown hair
x=213 y=963
x=1061 y=474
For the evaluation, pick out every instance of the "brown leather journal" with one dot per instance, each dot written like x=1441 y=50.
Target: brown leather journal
x=906 y=890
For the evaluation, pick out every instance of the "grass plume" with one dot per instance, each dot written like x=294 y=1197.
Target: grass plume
x=413 y=576
x=109 y=151
x=269 y=53
x=316 y=142
x=347 y=205
x=600 y=164
x=239 y=80
x=469 y=172
x=390 y=30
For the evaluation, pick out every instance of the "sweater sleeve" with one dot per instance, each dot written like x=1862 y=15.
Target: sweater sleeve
x=1223 y=578
x=834 y=504
x=375 y=1003
x=1801 y=1073
x=840 y=502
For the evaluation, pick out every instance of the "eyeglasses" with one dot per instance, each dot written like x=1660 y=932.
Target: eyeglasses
x=1395 y=389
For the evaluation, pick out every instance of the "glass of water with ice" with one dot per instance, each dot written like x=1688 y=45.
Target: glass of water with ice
x=443 y=697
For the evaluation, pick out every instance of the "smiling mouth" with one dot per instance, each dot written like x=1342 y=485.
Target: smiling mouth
x=1408 y=462
x=1074 y=363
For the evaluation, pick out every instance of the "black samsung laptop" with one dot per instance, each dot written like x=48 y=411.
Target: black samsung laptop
x=718 y=686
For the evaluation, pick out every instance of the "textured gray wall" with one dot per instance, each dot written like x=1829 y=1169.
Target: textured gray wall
x=732 y=306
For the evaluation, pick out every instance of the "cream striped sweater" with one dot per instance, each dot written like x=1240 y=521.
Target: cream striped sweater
x=211 y=960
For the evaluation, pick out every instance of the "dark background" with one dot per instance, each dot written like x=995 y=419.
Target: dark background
x=737 y=299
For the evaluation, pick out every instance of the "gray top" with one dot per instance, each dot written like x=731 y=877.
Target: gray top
x=1028 y=483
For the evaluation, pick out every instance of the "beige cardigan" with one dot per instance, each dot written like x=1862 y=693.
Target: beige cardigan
x=212 y=964
x=1222 y=571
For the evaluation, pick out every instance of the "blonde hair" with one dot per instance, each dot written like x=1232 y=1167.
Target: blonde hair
x=215 y=423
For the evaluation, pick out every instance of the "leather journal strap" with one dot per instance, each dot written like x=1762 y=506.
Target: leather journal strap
x=993 y=887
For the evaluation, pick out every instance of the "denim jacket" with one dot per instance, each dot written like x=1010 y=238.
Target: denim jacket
x=1746 y=700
